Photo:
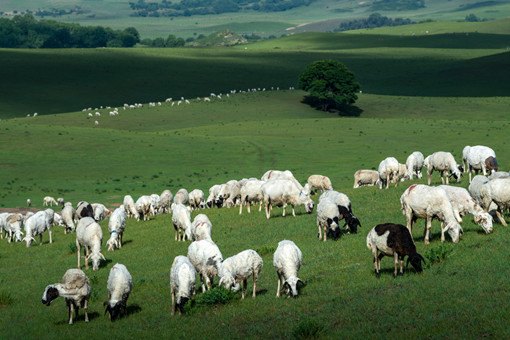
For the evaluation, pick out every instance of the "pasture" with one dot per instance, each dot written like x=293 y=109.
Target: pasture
x=462 y=293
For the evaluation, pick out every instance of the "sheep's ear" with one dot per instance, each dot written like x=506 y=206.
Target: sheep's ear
x=302 y=283
x=477 y=219
x=102 y=256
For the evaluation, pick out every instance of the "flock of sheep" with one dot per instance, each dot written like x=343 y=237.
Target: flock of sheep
x=275 y=188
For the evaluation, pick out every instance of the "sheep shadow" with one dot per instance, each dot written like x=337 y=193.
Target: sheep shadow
x=133 y=309
x=104 y=263
x=80 y=318
x=126 y=242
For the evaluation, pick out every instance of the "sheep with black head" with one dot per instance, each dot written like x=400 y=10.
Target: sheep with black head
x=120 y=284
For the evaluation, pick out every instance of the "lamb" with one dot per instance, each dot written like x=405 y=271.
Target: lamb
x=37 y=225
x=75 y=288
x=166 y=198
x=414 y=165
x=421 y=201
x=100 y=211
x=276 y=174
x=365 y=178
x=388 y=171
x=443 y=162
x=84 y=209
x=497 y=191
x=213 y=194
x=181 y=218
x=68 y=214
x=287 y=261
x=116 y=227
x=48 y=200
x=251 y=192
x=327 y=218
x=143 y=207
x=477 y=157
x=181 y=197
x=344 y=209
x=463 y=204
x=90 y=236
x=207 y=258
x=60 y=201
x=130 y=207
x=182 y=282
x=196 y=199
x=12 y=227
x=319 y=182
x=239 y=268
x=120 y=284
x=393 y=240
x=201 y=228
x=280 y=192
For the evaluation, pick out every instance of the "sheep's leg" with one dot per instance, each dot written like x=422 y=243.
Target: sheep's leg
x=86 y=310
x=325 y=233
x=395 y=260
x=255 y=278
x=428 y=226
x=244 y=289
x=172 y=309
x=442 y=232
x=401 y=266
x=175 y=228
x=49 y=232
x=320 y=233
x=71 y=313
x=267 y=208
x=279 y=283
x=40 y=239
x=120 y=240
x=293 y=212
x=387 y=181
x=374 y=253
x=202 y=281
x=248 y=207
x=501 y=217
x=86 y=253
x=241 y=208
x=78 y=247
x=284 y=208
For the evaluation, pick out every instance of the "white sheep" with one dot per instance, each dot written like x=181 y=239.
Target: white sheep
x=156 y=204
x=280 y=192
x=276 y=174
x=476 y=159
x=48 y=200
x=287 y=261
x=251 y=192
x=230 y=194
x=75 y=288
x=365 y=178
x=37 y=225
x=181 y=197
x=90 y=236
x=29 y=202
x=475 y=189
x=120 y=284
x=465 y=152
x=414 y=165
x=422 y=201
x=443 y=162
x=100 y=211
x=84 y=209
x=207 y=258
x=61 y=201
x=182 y=282
x=327 y=219
x=239 y=268
x=12 y=227
x=143 y=207
x=130 y=207
x=496 y=191
x=499 y=174
x=201 y=228
x=68 y=216
x=388 y=171
x=213 y=194
x=166 y=198
x=463 y=204
x=181 y=218
x=196 y=199
x=319 y=182
x=116 y=227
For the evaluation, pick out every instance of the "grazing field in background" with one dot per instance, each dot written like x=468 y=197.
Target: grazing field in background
x=463 y=292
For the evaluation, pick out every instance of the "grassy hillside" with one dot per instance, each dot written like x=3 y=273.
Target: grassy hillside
x=146 y=150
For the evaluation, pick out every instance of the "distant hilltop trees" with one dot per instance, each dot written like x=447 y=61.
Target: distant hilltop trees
x=165 y=8
x=373 y=21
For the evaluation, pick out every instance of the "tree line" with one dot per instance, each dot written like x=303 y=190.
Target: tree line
x=24 y=31
x=373 y=21
x=203 y=7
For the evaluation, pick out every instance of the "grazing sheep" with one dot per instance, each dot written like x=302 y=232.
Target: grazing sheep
x=181 y=197
x=12 y=227
x=229 y=195
x=201 y=228
x=497 y=191
x=60 y=201
x=143 y=207
x=3 y=221
x=251 y=192
x=120 y=284
x=465 y=152
x=276 y=174
x=287 y=261
x=37 y=225
x=401 y=174
x=196 y=199
x=463 y=204
x=29 y=202
x=475 y=189
x=68 y=215
x=48 y=200
x=388 y=171
x=90 y=236
x=280 y=192
x=84 y=209
x=443 y=162
x=319 y=182
x=239 y=268
x=130 y=207
x=100 y=211
x=213 y=194
x=327 y=219
x=422 y=201
x=207 y=258
x=477 y=157
x=182 y=282
x=414 y=164
x=166 y=198
x=365 y=178
x=393 y=240
x=155 y=204
x=75 y=289
x=116 y=227
x=181 y=218
x=344 y=209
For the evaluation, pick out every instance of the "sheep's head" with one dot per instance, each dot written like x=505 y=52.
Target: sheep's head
x=227 y=281
x=96 y=259
x=18 y=235
x=292 y=286
x=353 y=223
x=485 y=221
x=115 y=309
x=307 y=201
x=416 y=260
x=219 y=201
x=50 y=294
x=28 y=239
x=112 y=244
x=454 y=230
x=334 y=230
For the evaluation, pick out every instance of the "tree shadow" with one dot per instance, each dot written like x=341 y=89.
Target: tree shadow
x=333 y=107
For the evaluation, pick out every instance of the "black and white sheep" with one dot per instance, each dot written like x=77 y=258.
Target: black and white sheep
x=213 y=194
x=393 y=240
x=344 y=209
x=84 y=209
x=239 y=268
x=120 y=284
x=327 y=219
x=75 y=288
x=182 y=282
x=206 y=258
x=287 y=261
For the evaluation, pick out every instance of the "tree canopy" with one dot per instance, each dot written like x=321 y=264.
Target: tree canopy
x=330 y=82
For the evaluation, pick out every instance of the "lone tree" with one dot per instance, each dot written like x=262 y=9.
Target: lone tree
x=330 y=82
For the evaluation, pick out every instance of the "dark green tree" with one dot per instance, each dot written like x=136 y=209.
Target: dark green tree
x=330 y=82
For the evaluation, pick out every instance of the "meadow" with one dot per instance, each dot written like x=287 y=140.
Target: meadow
x=463 y=291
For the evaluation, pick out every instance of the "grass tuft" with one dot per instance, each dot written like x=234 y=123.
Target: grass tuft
x=264 y=250
x=215 y=296
x=5 y=299
x=308 y=329
x=72 y=248
x=437 y=254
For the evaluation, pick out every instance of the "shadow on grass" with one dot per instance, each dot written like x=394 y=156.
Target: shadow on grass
x=133 y=309
x=333 y=107
x=80 y=318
